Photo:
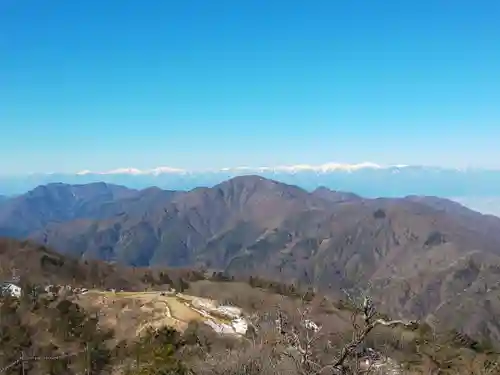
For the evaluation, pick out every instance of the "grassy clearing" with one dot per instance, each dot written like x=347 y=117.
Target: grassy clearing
x=145 y=308
x=130 y=313
x=182 y=312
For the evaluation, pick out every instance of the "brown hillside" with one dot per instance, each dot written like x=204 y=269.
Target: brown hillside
x=414 y=247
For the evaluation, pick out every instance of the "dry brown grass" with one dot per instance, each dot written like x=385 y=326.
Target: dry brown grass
x=182 y=312
x=129 y=314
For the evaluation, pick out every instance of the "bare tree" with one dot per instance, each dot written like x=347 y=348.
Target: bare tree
x=289 y=341
x=301 y=343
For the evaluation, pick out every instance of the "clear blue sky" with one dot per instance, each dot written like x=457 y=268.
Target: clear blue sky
x=100 y=84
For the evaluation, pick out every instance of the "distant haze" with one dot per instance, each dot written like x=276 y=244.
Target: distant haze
x=478 y=189
x=485 y=205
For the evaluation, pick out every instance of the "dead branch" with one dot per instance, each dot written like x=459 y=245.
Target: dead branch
x=299 y=346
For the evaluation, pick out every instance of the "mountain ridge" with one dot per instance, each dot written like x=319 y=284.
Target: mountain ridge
x=476 y=188
x=419 y=248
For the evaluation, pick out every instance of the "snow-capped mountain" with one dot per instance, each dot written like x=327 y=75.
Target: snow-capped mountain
x=323 y=168
x=366 y=179
x=373 y=179
x=133 y=171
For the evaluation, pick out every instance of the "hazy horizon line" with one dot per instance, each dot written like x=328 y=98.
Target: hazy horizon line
x=325 y=167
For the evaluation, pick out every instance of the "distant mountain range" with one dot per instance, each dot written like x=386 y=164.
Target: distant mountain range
x=422 y=256
x=476 y=188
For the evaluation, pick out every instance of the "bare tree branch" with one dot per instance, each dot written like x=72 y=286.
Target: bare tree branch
x=300 y=344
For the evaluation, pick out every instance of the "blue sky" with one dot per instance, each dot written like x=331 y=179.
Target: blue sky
x=100 y=84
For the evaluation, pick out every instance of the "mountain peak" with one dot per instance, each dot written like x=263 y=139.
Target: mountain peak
x=335 y=196
x=256 y=181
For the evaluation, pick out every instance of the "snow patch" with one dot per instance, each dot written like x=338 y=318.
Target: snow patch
x=210 y=310
x=240 y=326
x=220 y=328
x=229 y=311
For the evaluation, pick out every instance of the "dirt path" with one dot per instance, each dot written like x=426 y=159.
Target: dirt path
x=162 y=321
x=167 y=309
